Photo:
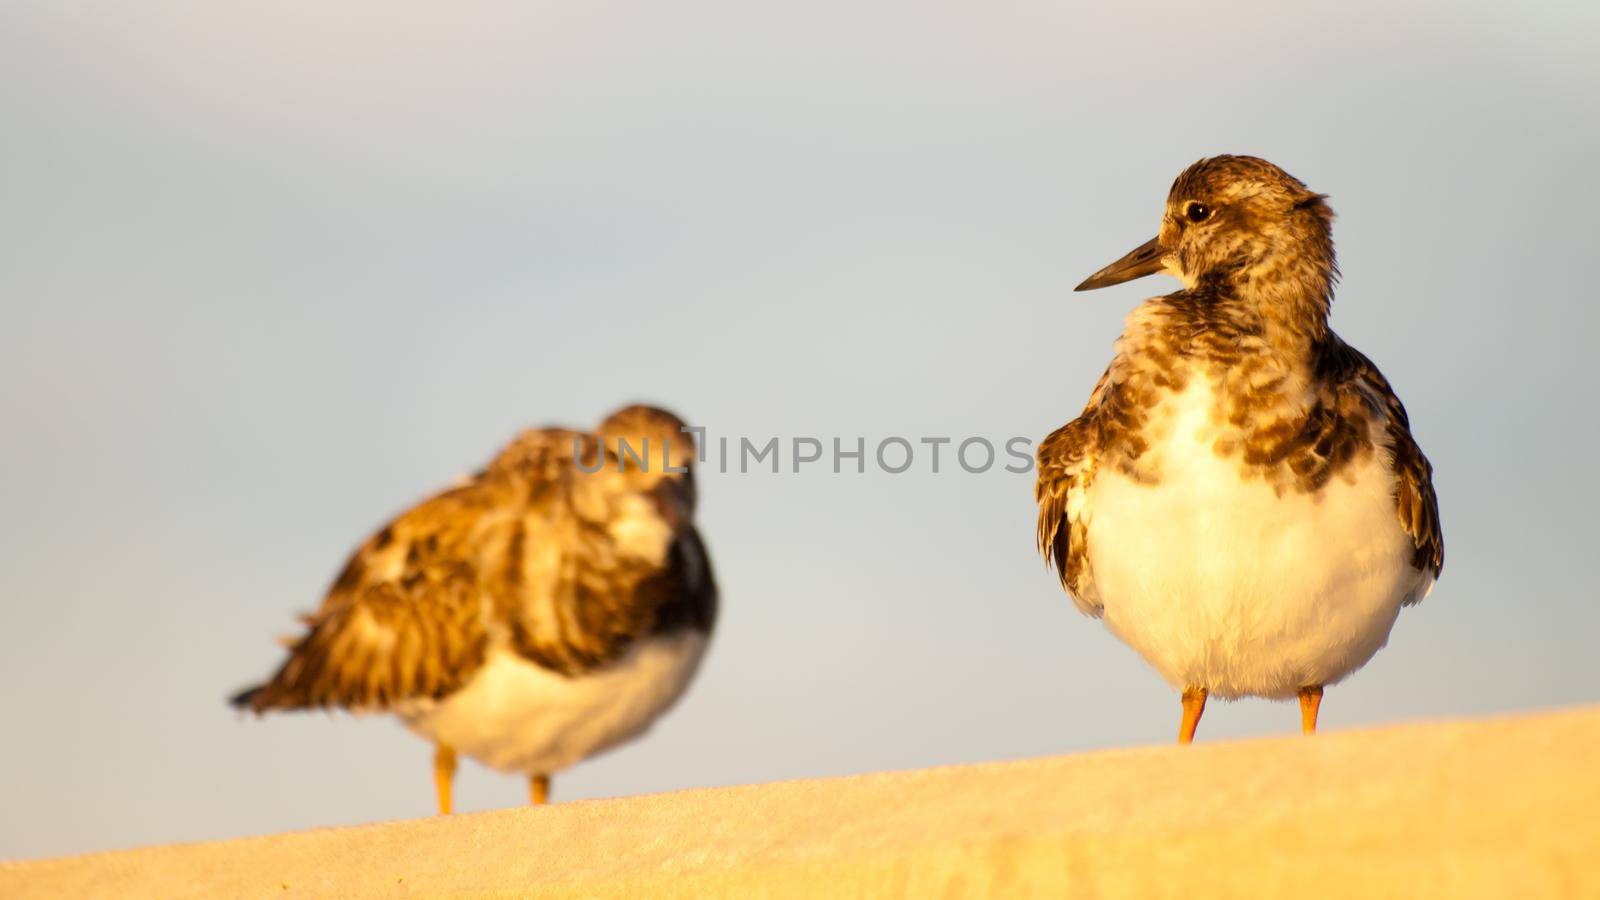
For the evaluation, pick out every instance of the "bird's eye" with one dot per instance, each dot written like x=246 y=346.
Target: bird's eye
x=1197 y=212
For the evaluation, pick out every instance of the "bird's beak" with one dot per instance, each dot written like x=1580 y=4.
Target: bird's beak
x=1146 y=259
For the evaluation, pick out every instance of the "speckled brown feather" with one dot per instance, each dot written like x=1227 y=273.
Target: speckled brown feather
x=1066 y=469
x=1340 y=364
x=526 y=553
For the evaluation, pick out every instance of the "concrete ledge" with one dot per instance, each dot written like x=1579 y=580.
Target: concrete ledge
x=1490 y=808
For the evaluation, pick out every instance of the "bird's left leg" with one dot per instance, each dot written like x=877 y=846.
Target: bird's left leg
x=538 y=789
x=1194 y=703
x=1310 y=701
x=444 y=775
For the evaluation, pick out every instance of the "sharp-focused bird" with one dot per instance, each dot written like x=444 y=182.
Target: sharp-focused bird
x=547 y=609
x=1241 y=501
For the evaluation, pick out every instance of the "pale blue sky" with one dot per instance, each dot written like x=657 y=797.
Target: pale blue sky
x=268 y=273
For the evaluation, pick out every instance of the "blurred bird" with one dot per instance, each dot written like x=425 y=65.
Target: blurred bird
x=1241 y=501
x=547 y=609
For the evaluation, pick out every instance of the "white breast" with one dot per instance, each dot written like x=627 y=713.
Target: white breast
x=1220 y=583
x=518 y=717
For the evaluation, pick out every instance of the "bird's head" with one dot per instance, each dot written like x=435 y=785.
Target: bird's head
x=1239 y=221
x=654 y=449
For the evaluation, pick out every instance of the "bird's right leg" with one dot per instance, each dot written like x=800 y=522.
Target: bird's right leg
x=444 y=775
x=1310 y=702
x=1194 y=703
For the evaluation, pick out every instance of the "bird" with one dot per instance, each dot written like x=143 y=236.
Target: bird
x=545 y=609
x=1241 y=500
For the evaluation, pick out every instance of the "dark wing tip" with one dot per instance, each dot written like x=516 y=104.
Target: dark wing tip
x=246 y=699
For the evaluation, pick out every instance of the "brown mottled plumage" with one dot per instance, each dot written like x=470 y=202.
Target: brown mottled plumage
x=1288 y=404
x=560 y=552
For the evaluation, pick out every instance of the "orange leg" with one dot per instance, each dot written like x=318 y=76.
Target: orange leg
x=1310 y=700
x=538 y=789
x=444 y=774
x=1194 y=703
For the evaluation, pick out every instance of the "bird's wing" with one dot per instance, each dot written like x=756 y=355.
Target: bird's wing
x=1067 y=460
x=565 y=567
x=404 y=619
x=1353 y=374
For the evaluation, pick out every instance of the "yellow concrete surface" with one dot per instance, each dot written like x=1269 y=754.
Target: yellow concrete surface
x=1504 y=807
